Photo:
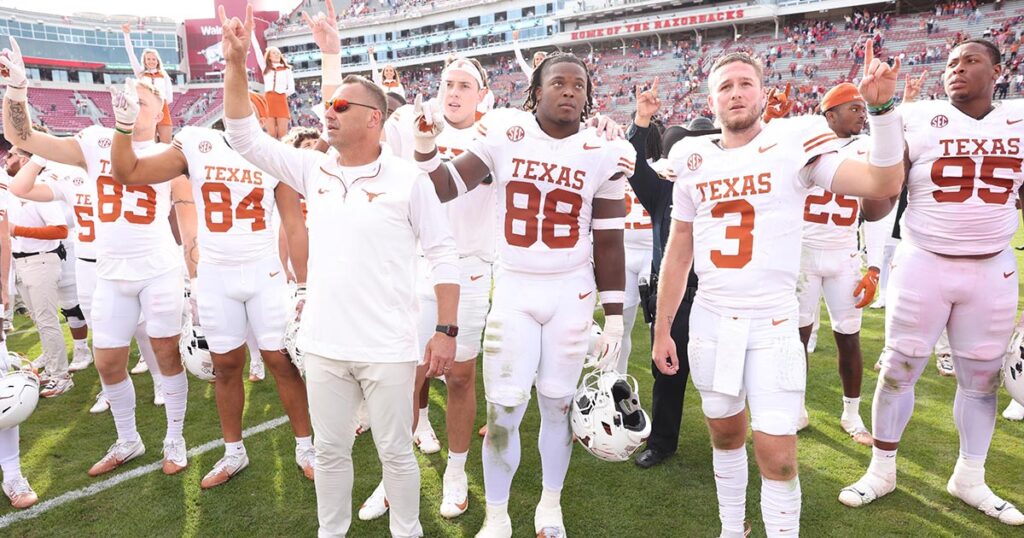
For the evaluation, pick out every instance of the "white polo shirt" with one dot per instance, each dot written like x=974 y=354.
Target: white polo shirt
x=36 y=215
x=364 y=223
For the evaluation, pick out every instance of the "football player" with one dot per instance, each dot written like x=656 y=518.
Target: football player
x=139 y=268
x=556 y=181
x=738 y=216
x=241 y=280
x=954 y=269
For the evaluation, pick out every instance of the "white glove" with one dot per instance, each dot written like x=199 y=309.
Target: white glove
x=609 y=345
x=12 y=71
x=299 y=301
x=192 y=304
x=125 y=103
x=428 y=122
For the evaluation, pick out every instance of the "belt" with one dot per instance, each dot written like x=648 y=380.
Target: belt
x=88 y=260
x=20 y=255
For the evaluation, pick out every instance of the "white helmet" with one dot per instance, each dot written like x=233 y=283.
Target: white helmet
x=291 y=337
x=19 y=390
x=1013 y=366
x=195 y=353
x=606 y=415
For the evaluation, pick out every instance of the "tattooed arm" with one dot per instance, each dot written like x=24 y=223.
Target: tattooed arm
x=18 y=131
x=185 y=212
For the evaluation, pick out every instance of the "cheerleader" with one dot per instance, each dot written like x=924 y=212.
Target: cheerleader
x=278 y=84
x=389 y=82
x=152 y=70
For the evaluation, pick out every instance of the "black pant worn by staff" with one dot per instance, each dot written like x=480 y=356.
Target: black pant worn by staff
x=669 y=390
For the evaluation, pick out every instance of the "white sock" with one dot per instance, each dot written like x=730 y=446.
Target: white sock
x=456 y=462
x=10 y=454
x=496 y=512
x=883 y=462
x=730 y=468
x=423 y=424
x=82 y=344
x=969 y=475
x=122 y=406
x=780 y=506
x=851 y=407
x=550 y=498
x=175 y=391
x=302 y=443
x=234 y=449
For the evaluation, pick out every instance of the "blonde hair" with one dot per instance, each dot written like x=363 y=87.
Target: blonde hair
x=159 y=61
x=266 y=59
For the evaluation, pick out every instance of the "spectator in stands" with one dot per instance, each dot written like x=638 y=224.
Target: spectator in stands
x=538 y=57
x=278 y=84
x=152 y=70
x=388 y=80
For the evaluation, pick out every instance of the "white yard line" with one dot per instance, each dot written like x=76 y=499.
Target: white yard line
x=99 y=487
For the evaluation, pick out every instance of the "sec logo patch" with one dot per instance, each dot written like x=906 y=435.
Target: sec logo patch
x=694 y=161
x=205 y=146
x=515 y=133
x=104 y=143
x=940 y=121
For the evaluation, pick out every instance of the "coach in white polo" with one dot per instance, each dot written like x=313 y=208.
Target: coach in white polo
x=367 y=210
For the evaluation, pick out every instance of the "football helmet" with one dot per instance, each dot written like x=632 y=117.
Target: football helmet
x=19 y=390
x=606 y=415
x=595 y=339
x=195 y=353
x=1013 y=366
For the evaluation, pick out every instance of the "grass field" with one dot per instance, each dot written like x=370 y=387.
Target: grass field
x=271 y=498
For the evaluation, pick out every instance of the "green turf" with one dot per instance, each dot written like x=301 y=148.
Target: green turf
x=272 y=498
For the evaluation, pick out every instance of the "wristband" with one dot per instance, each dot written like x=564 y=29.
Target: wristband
x=618 y=223
x=886 y=139
x=882 y=108
x=15 y=93
x=40 y=161
x=330 y=69
x=123 y=129
x=430 y=165
x=612 y=296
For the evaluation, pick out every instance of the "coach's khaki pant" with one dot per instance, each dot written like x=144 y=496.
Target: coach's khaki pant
x=36 y=278
x=335 y=390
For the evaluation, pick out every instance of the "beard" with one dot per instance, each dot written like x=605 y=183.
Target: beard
x=741 y=123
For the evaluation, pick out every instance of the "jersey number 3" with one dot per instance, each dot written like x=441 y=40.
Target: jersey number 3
x=742 y=232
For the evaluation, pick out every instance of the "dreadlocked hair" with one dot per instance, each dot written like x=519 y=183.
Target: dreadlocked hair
x=535 y=81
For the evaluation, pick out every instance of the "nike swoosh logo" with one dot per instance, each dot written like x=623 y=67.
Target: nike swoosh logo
x=275 y=273
x=322 y=191
x=777 y=322
x=861 y=152
x=762 y=150
x=474 y=278
x=1008 y=275
x=1013 y=122
x=588 y=147
x=585 y=295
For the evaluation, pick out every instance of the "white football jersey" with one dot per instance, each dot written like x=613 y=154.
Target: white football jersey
x=964 y=177
x=746 y=206
x=71 y=185
x=639 y=232
x=133 y=233
x=546 y=188
x=830 y=220
x=234 y=200
x=472 y=215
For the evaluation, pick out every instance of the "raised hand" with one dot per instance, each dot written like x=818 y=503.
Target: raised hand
x=515 y=35
x=647 y=103
x=912 y=86
x=12 y=66
x=429 y=123
x=125 y=103
x=325 y=30
x=126 y=28
x=236 y=35
x=778 y=104
x=879 y=83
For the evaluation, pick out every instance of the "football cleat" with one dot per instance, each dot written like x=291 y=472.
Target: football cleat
x=976 y=493
x=140 y=367
x=1014 y=411
x=944 y=364
x=606 y=416
x=455 y=495
x=174 y=456
x=374 y=506
x=497 y=524
x=426 y=440
x=20 y=493
x=55 y=386
x=82 y=359
x=855 y=427
x=867 y=489
x=547 y=521
x=257 y=372
x=102 y=404
x=224 y=470
x=118 y=454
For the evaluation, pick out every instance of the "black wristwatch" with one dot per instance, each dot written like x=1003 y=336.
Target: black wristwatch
x=448 y=330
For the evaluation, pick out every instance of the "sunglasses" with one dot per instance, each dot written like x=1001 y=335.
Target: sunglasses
x=341 y=105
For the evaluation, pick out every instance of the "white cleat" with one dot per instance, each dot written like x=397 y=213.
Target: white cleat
x=141 y=367
x=82 y=359
x=426 y=441
x=867 y=489
x=174 y=456
x=117 y=455
x=548 y=523
x=880 y=301
x=257 y=372
x=454 y=495
x=102 y=404
x=981 y=497
x=375 y=506
x=1014 y=411
x=496 y=526
x=855 y=427
x=944 y=364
